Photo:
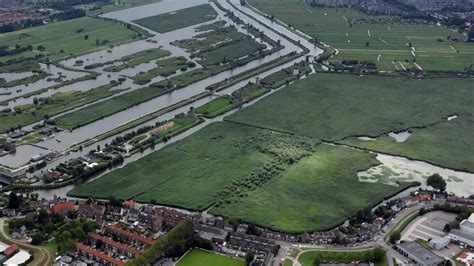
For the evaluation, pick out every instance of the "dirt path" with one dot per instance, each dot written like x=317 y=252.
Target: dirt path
x=41 y=255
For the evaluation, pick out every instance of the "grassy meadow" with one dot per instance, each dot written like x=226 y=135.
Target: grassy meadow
x=345 y=106
x=66 y=38
x=182 y=18
x=308 y=258
x=189 y=173
x=303 y=197
x=433 y=49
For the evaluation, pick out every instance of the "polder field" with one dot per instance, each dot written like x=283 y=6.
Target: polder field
x=174 y=20
x=347 y=106
x=198 y=257
x=266 y=164
x=60 y=40
x=431 y=49
x=235 y=167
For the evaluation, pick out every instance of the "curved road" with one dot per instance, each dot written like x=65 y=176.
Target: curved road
x=41 y=255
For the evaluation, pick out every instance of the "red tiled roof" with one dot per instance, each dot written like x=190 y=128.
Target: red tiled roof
x=142 y=239
x=60 y=207
x=129 y=203
x=11 y=250
x=99 y=254
x=115 y=244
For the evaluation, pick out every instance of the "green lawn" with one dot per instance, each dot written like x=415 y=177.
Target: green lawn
x=178 y=19
x=165 y=67
x=198 y=257
x=64 y=38
x=317 y=193
x=334 y=107
x=347 y=256
x=388 y=41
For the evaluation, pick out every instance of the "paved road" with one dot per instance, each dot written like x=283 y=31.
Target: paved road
x=42 y=256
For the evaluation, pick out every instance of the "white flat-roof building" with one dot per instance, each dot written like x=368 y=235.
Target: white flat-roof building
x=440 y=242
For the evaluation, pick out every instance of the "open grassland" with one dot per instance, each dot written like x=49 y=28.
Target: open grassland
x=199 y=167
x=304 y=198
x=66 y=38
x=344 y=106
x=57 y=103
x=308 y=258
x=215 y=107
x=198 y=257
x=230 y=51
x=245 y=172
x=333 y=106
x=178 y=19
x=433 y=49
x=448 y=143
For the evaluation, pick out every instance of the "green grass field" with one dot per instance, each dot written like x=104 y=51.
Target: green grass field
x=198 y=257
x=222 y=165
x=388 y=41
x=343 y=106
x=448 y=143
x=308 y=258
x=165 y=67
x=198 y=167
x=215 y=107
x=229 y=52
x=64 y=38
x=306 y=193
x=136 y=59
x=178 y=19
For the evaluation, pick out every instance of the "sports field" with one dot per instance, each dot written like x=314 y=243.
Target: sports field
x=178 y=19
x=199 y=257
x=432 y=47
x=64 y=38
x=376 y=256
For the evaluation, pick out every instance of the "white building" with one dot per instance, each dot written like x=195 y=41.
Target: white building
x=440 y=242
x=465 y=234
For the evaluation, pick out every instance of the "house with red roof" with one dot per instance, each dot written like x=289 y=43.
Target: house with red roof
x=129 y=203
x=113 y=247
x=98 y=256
x=62 y=208
x=130 y=237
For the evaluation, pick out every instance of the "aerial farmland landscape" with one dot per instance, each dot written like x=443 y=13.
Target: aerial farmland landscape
x=236 y=132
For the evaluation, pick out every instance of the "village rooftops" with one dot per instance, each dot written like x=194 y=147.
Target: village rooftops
x=62 y=207
x=11 y=250
x=98 y=254
x=115 y=244
x=135 y=236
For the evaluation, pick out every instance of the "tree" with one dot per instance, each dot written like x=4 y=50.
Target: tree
x=86 y=37
x=394 y=237
x=14 y=201
x=447 y=228
x=367 y=43
x=436 y=182
x=249 y=257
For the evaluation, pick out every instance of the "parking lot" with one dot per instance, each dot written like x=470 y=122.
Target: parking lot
x=427 y=226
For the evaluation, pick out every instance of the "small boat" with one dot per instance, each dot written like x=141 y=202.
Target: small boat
x=58 y=140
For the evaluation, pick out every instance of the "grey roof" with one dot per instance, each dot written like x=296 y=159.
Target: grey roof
x=422 y=254
x=462 y=234
x=466 y=223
